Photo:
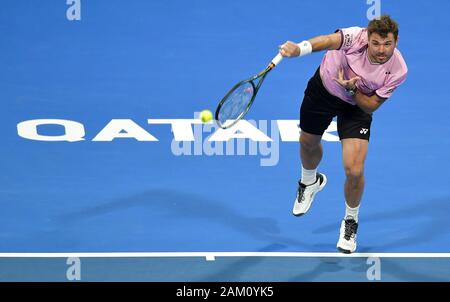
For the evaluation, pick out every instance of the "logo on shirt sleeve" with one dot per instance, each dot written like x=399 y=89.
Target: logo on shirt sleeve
x=348 y=40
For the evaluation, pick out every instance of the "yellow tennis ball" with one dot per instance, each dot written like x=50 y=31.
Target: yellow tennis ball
x=206 y=116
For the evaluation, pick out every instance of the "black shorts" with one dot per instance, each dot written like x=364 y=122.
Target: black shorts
x=319 y=108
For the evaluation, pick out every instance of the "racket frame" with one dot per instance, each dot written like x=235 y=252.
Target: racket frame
x=262 y=75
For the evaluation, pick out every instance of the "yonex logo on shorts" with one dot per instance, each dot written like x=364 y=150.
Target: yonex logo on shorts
x=364 y=131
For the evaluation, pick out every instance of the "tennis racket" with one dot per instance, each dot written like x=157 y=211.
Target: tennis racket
x=237 y=102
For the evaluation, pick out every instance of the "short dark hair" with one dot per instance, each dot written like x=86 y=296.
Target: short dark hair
x=383 y=26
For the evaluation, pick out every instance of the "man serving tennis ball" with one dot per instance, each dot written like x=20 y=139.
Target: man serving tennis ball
x=359 y=72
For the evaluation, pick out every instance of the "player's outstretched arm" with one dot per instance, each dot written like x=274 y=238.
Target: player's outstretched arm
x=325 y=42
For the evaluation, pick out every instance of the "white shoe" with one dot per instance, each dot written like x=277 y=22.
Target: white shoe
x=347 y=236
x=306 y=193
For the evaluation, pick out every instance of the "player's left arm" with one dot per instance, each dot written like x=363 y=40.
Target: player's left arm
x=368 y=103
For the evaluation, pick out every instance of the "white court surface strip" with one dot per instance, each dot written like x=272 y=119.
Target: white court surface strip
x=212 y=255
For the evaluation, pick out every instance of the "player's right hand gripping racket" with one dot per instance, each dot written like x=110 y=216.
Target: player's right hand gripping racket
x=237 y=102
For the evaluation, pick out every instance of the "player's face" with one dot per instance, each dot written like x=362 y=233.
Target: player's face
x=381 y=49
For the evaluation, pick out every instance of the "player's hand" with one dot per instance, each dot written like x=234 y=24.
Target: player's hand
x=347 y=84
x=289 y=49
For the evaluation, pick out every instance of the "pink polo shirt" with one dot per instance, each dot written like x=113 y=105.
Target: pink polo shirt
x=352 y=57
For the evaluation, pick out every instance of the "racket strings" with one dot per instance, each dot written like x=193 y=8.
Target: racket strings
x=236 y=103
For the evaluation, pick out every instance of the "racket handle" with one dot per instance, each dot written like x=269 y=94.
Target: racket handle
x=276 y=60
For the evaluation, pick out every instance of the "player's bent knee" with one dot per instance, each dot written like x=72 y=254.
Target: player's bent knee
x=309 y=141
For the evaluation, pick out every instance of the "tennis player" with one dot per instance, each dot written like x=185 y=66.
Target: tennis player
x=360 y=70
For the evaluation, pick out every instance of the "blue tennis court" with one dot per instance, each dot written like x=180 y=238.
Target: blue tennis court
x=104 y=160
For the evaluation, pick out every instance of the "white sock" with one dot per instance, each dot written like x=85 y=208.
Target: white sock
x=352 y=212
x=308 y=176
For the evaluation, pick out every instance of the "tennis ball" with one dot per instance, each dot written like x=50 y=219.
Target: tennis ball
x=206 y=116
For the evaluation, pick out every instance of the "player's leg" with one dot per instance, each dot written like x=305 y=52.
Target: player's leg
x=316 y=113
x=311 y=150
x=354 y=151
x=311 y=181
x=354 y=131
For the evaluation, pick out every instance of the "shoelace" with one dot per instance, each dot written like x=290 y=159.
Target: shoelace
x=301 y=193
x=351 y=226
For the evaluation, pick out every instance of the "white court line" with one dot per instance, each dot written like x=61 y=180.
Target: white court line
x=213 y=255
